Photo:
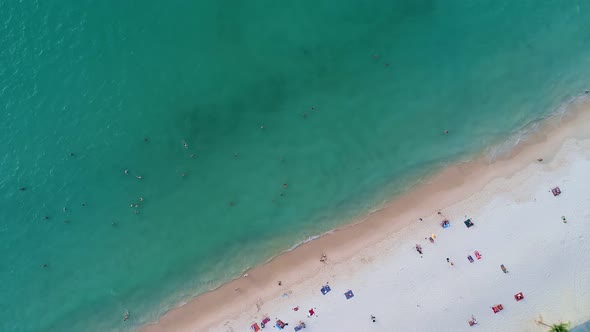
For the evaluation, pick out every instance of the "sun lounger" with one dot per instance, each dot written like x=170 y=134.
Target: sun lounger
x=349 y=295
x=468 y=223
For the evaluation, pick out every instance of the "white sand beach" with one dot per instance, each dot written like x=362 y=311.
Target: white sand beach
x=517 y=222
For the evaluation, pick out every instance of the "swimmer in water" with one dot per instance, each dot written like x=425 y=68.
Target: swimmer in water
x=446 y=131
x=126 y=172
x=138 y=177
x=141 y=199
x=22 y=188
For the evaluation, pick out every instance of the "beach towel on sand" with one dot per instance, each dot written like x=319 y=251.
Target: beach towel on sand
x=325 y=290
x=255 y=327
x=349 y=295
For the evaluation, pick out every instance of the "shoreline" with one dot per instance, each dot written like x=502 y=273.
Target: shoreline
x=453 y=184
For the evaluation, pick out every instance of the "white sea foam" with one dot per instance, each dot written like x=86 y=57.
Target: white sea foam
x=504 y=148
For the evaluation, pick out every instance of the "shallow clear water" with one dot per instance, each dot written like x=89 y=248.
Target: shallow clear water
x=353 y=99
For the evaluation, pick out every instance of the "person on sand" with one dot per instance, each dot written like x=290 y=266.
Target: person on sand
x=323 y=259
x=373 y=318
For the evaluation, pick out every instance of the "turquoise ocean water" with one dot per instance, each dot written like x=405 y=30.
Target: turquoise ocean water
x=344 y=101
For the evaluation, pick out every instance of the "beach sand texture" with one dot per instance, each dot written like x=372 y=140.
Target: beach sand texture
x=518 y=223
